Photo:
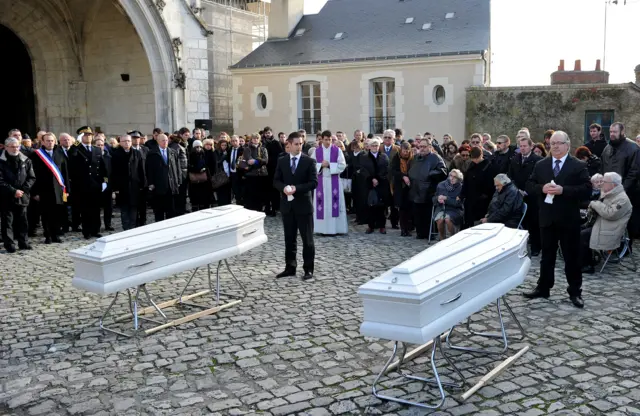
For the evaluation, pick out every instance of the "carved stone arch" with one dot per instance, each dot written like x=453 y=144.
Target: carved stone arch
x=157 y=44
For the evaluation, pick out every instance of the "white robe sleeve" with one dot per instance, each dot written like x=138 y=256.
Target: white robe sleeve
x=312 y=155
x=340 y=166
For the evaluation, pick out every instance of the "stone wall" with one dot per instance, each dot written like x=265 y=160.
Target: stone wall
x=503 y=110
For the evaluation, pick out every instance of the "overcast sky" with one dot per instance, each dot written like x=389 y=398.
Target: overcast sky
x=529 y=37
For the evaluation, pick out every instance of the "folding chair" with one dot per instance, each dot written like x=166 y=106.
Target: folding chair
x=433 y=229
x=620 y=254
x=524 y=212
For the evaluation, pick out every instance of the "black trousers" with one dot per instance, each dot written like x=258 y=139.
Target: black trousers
x=586 y=254
x=51 y=218
x=223 y=195
x=76 y=211
x=568 y=238
x=394 y=216
x=375 y=216
x=181 y=199
x=64 y=211
x=422 y=218
x=141 y=215
x=236 y=187
x=254 y=191
x=106 y=201
x=128 y=216
x=14 y=225
x=406 y=214
x=33 y=216
x=532 y=225
x=164 y=206
x=292 y=225
x=90 y=213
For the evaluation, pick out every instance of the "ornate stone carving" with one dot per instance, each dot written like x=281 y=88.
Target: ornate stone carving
x=160 y=4
x=177 y=44
x=180 y=79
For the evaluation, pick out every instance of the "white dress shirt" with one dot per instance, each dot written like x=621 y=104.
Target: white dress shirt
x=562 y=160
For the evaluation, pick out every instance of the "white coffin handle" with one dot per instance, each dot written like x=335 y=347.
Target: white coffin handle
x=458 y=296
x=141 y=264
x=523 y=255
x=249 y=232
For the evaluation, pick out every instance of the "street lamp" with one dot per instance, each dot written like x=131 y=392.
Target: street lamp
x=606 y=6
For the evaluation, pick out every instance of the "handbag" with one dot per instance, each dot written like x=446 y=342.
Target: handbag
x=219 y=179
x=346 y=185
x=373 y=199
x=197 y=177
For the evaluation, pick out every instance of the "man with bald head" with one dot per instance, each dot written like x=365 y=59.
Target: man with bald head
x=163 y=179
x=561 y=183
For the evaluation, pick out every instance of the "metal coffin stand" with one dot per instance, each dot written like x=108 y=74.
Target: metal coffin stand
x=502 y=334
x=437 y=345
x=139 y=314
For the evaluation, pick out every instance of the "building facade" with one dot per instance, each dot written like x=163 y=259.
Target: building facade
x=574 y=100
x=407 y=67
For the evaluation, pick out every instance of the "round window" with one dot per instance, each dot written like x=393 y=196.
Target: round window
x=439 y=94
x=262 y=101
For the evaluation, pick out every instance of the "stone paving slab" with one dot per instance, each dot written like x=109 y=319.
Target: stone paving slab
x=293 y=347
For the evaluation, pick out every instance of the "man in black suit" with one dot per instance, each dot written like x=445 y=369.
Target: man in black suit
x=50 y=189
x=89 y=179
x=164 y=178
x=136 y=139
x=128 y=181
x=561 y=184
x=296 y=175
x=234 y=155
x=64 y=149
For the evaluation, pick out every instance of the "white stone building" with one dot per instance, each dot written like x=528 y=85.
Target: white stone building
x=365 y=64
x=113 y=64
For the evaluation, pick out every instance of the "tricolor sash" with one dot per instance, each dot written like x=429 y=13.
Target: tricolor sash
x=49 y=163
x=335 y=185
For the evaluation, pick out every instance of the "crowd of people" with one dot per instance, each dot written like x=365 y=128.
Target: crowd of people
x=423 y=185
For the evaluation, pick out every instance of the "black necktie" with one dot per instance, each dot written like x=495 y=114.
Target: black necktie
x=293 y=165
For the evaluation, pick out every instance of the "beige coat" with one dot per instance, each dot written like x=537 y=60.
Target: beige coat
x=614 y=211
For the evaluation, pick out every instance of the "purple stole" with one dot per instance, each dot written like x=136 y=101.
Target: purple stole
x=335 y=185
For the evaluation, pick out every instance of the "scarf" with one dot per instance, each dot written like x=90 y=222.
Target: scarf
x=450 y=187
x=404 y=163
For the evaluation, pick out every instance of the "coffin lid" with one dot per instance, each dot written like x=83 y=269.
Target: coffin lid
x=463 y=253
x=173 y=231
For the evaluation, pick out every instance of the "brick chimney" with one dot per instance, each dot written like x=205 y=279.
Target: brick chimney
x=284 y=16
x=638 y=75
x=578 y=76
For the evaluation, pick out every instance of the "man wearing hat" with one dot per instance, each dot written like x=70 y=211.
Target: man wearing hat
x=142 y=199
x=89 y=179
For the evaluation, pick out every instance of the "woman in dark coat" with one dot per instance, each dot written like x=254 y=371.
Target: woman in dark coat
x=400 y=171
x=593 y=162
x=448 y=212
x=199 y=184
x=426 y=171
x=373 y=177
x=223 y=193
x=507 y=205
x=477 y=187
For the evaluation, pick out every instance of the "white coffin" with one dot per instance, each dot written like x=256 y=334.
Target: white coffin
x=159 y=250
x=423 y=297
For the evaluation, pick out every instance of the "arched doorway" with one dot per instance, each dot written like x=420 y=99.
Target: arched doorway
x=16 y=85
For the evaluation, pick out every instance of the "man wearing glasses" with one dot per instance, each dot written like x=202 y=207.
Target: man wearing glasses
x=476 y=141
x=389 y=148
x=503 y=154
x=561 y=184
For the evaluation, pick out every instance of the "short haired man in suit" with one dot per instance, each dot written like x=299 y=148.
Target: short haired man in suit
x=136 y=144
x=295 y=176
x=561 y=184
x=164 y=178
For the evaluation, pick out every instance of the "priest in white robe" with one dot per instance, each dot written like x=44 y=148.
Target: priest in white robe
x=330 y=211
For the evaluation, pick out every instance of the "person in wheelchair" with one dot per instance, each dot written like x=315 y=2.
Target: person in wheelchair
x=507 y=205
x=608 y=220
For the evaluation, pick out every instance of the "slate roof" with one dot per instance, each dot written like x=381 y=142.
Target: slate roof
x=376 y=30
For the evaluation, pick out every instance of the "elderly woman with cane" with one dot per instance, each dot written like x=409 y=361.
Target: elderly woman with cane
x=448 y=205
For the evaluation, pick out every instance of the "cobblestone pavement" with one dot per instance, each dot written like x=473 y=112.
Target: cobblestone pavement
x=293 y=347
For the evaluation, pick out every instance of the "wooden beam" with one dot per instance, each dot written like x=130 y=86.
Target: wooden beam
x=494 y=373
x=415 y=352
x=191 y=317
x=167 y=304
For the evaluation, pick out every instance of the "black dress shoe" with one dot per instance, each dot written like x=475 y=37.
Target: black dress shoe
x=109 y=228
x=286 y=273
x=10 y=249
x=56 y=239
x=87 y=236
x=307 y=275
x=588 y=270
x=395 y=227
x=47 y=240
x=577 y=301
x=25 y=246
x=98 y=235
x=535 y=253
x=76 y=229
x=369 y=231
x=537 y=293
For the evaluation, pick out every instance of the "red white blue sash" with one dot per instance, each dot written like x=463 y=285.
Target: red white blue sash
x=49 y=163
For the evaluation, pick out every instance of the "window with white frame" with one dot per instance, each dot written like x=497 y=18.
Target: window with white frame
x=309 y=111
x=383 y=105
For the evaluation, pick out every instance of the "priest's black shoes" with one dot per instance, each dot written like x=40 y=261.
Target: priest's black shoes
x=537 y=293
x=577 y=301
x=286 y=273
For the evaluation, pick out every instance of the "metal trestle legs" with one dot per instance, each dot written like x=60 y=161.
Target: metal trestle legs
x=211 y=288
x=434 y=381
x=134 y=303
x=502 y=334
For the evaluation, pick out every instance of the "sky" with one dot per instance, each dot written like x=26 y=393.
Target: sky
x=530 y=37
